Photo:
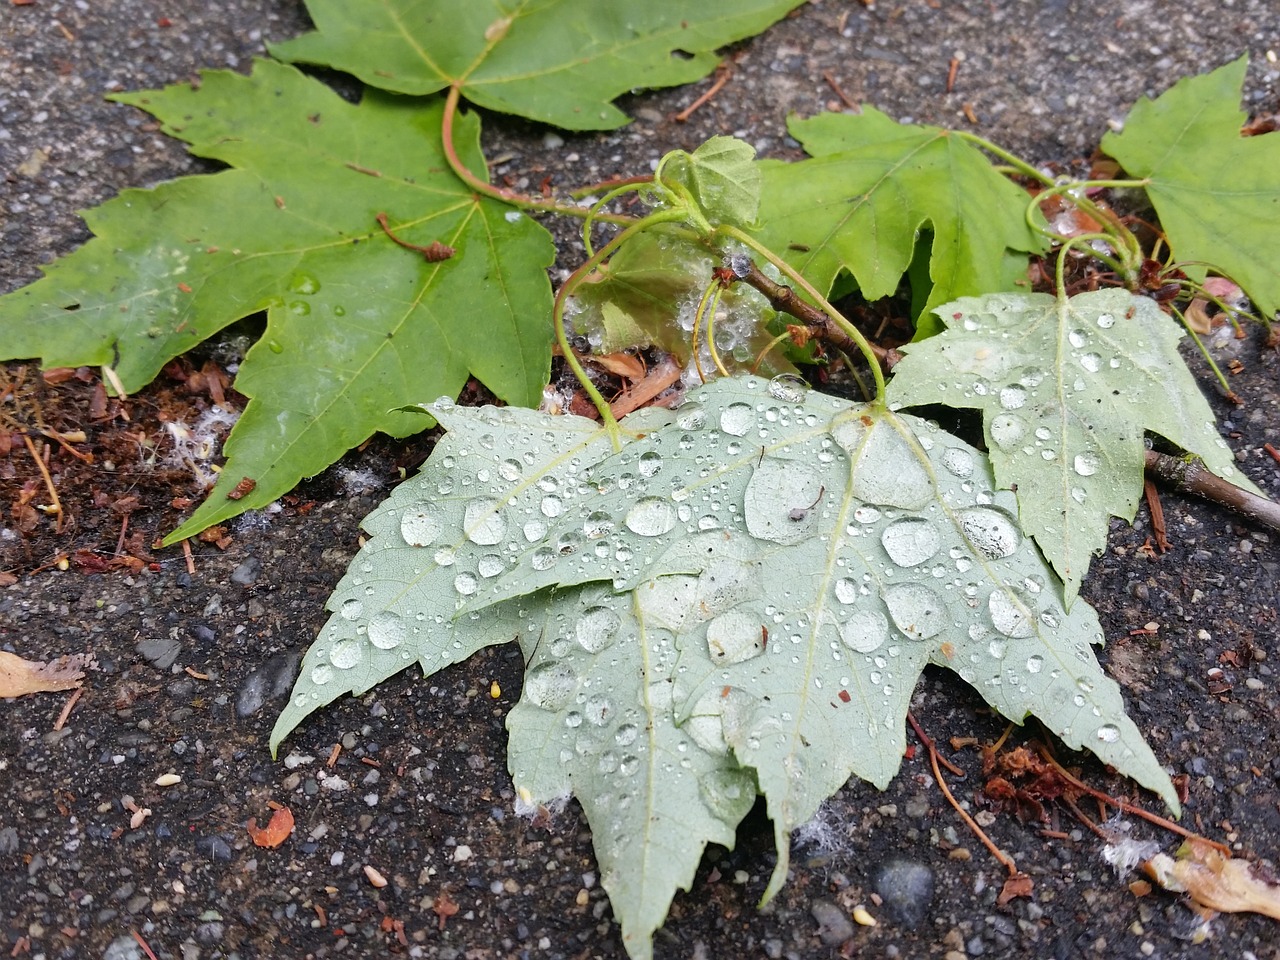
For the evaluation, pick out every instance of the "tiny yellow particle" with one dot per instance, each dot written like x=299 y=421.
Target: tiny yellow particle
x=583 y=898
x=167 y=779
x=495 y=691
x=860 y=916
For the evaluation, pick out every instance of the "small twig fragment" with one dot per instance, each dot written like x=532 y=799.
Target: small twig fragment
x=1190 y=476
x=722 y=77
x=434 y=252
x=1157 y=516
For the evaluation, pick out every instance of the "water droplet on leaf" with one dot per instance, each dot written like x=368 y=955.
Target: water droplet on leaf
x=917 y=610
x=736 y=419
x=864 y=631
x=550 y=685
x=651 y=517
x=346 y=653
x=386 y=630
x=351 y=609
x=910 y=541
x=990 y=531
x=483 y=521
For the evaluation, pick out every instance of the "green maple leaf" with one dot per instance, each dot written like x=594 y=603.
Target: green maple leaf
x=721 y=177
x=356 y=325
x=869 y=190
x=1216 y=192
x=741 y=598
x=557 y=61
x=1066 y=389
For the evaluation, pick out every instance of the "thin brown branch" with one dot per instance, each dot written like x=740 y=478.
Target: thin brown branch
x=1190 y=476
x=722 y=77
x=432 y=253
x=55 y=503
x=785 y=300
x=844 y=97
x=1157 y=516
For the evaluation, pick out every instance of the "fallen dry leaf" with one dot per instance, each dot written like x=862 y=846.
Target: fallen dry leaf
x=19 y=676
x=1218 y=882
x=275 y=832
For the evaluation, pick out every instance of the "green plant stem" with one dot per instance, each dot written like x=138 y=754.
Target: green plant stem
x=848 y=329
x=521 y=200
x=1012 y=159
x=1079 y=240
x=557 y=314
x=1204 y=351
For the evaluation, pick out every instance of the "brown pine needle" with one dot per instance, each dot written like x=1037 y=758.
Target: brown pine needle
x=48 y=482
x=722 y=77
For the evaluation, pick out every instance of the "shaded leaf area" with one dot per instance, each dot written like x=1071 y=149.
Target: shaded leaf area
x=1067 y=389
x=647 y=295
x=557 y=61
x=753 y=585
x=871 y=186
x=356 y=324
x=1215 y=191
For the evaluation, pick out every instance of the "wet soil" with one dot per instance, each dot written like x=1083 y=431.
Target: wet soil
x=195 y=653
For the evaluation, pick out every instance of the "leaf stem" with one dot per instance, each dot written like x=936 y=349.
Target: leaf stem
x=848 y=329
x=521 y=200
x=1204 y=352
x=557 y=314
x=1012 y=159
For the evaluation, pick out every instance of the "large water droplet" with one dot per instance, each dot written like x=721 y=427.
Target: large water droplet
x=846 y=590
x=910 y=541
x=420 y=524
x=1076 y=338
x=346 y=653
x=551 y=506
x=1011 y=613
x=386 y=630
x=1108 y=733
x=916 y=610
x=691 y=416
x=490 y=565
x=1091 y=362
x=886 y=470
x=1007 y=430
x=991 y=531
x=550 y=685
x=483 y=521
x=510 y=470
x=304 y=283
x=736 y=419
x=1106 y=321
x=864 y=631
x=321 y=674
x=781 y=500
x=1078 y=494
x=598 y=524
x=1086 y=464
x=534 y=531
x=466 y=584
x=651 y=517
x=626 y=734
x=598 y=710
x=788 y=388
x=351 y=609
x=734 y=636
x=544 y=558
x=959 y=461
x=596 y=628
x=1035 y=664
x=1013 y=397
x=650 y=463
x=727 y=794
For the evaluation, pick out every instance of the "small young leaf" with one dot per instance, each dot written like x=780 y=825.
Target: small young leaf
x=723 y=177
x=871 y=186
x=559 y=61
x=1066 y=389
x=356 y=324
x=1216 y=192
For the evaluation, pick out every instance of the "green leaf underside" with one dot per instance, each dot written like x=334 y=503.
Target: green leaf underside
x=356 y=325
x=871 y=186
x=1216 y=192
x=557 y=61
x=1066 y=389
x=769 y=572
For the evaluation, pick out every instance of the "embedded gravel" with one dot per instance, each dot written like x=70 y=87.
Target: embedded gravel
x=192 y=665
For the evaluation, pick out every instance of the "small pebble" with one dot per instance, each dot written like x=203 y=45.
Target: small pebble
x=461 y=853
x=834 y=925
x=167 y=779
x=906 y=887
x=247 y=572
x=375 y=878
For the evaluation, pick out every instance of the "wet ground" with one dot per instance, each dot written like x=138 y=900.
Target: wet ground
x=193 y=656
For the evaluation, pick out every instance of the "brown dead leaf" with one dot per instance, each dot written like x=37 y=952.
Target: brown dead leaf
x=621 y=364
x=1019 y=885
x=19 y=676
x=1212 y=880
x=275 y=832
